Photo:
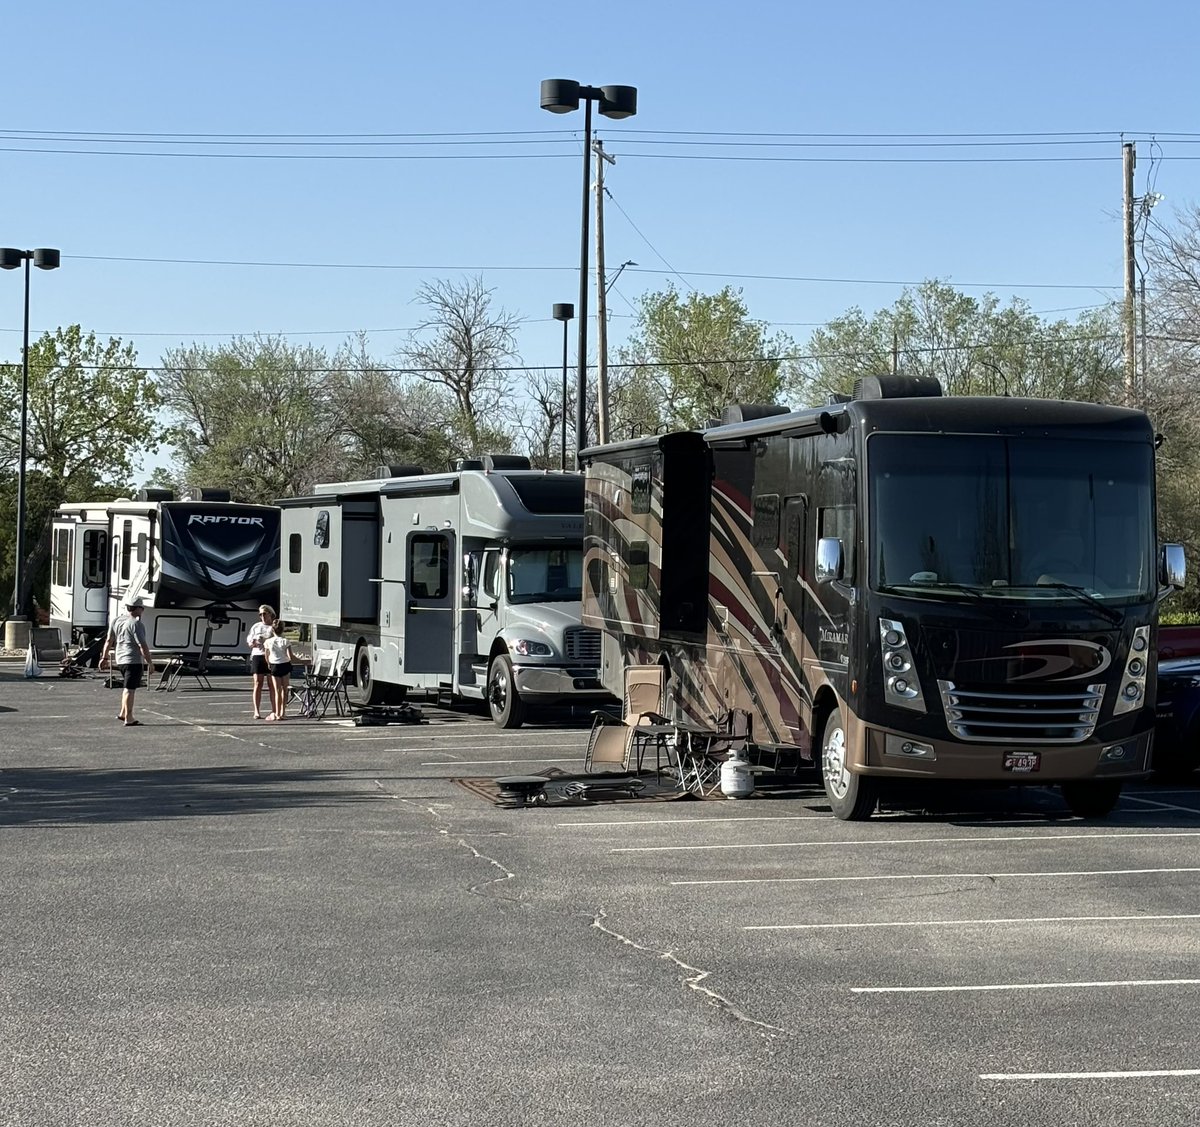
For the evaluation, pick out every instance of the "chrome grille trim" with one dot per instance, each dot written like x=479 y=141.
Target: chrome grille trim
x=582 y=644
x=1011 y=714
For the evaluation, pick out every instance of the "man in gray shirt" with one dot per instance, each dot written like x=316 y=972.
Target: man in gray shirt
x=127 y=639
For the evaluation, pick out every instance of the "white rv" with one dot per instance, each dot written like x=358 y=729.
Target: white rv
x=464 y=585
x=202 y=564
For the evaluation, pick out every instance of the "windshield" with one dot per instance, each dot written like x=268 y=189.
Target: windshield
x=545 y=575
x=972 y=515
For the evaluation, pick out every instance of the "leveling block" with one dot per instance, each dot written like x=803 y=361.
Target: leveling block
x=376 y=715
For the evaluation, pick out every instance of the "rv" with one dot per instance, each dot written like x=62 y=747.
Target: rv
x=463 y=585
x=201 y=563
x=897 y=586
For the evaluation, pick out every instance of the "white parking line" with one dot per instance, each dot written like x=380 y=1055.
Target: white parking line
x=487 y=762
x=1159 y=805
x=1132 y=1075
x=836 y=843
x=933 y=876
x=692 y=821
x=1023 y=986
x=428 y=732
x=964 y=923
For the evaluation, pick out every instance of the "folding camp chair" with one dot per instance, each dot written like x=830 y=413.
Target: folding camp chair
x=325 y=684
x=702 y=751
x=179 y=666
x=612 y=743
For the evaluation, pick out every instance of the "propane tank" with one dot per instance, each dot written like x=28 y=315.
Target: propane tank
x=737 y=780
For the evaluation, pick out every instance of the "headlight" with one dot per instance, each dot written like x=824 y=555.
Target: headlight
x=526 y=647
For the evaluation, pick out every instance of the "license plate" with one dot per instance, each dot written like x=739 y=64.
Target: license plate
x=1022 y=762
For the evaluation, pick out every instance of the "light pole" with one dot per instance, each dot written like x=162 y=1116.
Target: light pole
x=563 y=95
x=564 y=312
x=44 y=258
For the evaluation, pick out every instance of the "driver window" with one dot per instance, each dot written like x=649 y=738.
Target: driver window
x=490 y=580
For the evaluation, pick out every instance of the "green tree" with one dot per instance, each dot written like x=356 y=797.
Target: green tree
x=688 y=358
x=91 y=415
x=972 y=346
x=258 y=416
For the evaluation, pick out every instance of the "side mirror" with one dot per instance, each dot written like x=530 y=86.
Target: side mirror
x=1172 y=567
x=830 y=562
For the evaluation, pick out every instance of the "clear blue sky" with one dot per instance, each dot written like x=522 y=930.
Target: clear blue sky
x=1047 y=230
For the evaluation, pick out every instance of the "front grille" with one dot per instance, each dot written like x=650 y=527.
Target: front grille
x=1005 y=714
x=583 y=645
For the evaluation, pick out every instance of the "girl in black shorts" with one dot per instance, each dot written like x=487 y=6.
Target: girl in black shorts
x=279 y=662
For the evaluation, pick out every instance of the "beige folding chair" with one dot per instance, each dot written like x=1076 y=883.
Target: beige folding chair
x=613 y=743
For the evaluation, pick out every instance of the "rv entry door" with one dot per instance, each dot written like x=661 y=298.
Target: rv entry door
x=429 y=603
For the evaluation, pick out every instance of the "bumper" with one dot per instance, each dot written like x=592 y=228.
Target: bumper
x=551 y=681
x=883 y=755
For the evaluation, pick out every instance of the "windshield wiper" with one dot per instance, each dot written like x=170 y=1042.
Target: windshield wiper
x=940 y=585
x=1113 y=616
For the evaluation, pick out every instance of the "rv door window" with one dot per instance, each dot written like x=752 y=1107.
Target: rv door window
x=321 y=535
x=61 y=565
x=639 y=564
x=95 y=558
x=143 y=542
x=294 y=553
x=766 y=521
x=323 y=580
x=126 y=547
x=428 y=567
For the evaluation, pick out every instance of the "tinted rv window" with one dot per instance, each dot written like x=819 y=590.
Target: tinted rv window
x=95 y=558
x=321 y=536
x=550 y=494
x=639 y=564
x=323 y=580
x=143 y=542
x=639 y=493
x=766 y=521
x=294 y=553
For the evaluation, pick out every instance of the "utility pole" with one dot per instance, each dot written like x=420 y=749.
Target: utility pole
x=895 y=353
x=1128 y=160
x=601 y=303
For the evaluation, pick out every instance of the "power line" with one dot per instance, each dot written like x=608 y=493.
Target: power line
x=574 y=269
x=1087 y=338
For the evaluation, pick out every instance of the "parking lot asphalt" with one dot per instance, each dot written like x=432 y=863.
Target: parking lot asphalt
x=212 y=920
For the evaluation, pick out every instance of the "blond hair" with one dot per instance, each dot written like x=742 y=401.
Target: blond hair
x=264 y=609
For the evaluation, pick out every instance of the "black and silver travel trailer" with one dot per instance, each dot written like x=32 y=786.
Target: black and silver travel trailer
x=201 y=563
x=899 y=586
x=460 y=585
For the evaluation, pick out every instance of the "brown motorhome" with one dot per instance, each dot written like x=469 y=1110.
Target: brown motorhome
x=899 y=585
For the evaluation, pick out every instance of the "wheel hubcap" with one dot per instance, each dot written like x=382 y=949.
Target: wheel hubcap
x=499 y=693
x=833 y=762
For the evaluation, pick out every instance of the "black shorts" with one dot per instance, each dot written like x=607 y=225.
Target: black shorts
x=131 y=675
x=258 y=664
x=283 y=669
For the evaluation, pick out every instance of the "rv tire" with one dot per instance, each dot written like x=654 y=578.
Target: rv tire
x=367 y=691
x=852 y=797
x=1094 y=798
x=504 y=702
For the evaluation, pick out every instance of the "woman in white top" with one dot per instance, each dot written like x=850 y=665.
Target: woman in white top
x=259 y=633
x=279 y=662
